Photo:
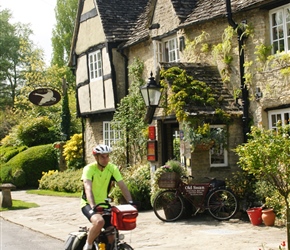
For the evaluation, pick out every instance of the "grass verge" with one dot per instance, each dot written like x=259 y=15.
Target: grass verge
x=17 y=204
x=53 y=193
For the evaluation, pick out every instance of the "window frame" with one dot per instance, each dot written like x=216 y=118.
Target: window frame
x=166 y=50
x=95 y=65
x=278 y=112
x=171 y=50
x=225 y=151
x=110 y=135
x=282 y=10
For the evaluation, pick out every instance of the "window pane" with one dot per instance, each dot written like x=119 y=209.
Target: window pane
x=279 y=18
x=273 y=118
x=274 y=31
x=281 y=45
x=275 y=47
x=287 y=10
x=280 y=32
x=274 y=19
x=286 y=118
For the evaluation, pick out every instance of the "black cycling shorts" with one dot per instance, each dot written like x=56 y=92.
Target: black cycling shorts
x=86 y=211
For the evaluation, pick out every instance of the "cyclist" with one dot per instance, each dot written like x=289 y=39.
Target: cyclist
x=97 y=178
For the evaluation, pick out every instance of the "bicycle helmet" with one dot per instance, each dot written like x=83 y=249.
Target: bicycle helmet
x=102 y=149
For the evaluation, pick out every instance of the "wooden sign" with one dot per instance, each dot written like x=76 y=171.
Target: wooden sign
x=44 y=97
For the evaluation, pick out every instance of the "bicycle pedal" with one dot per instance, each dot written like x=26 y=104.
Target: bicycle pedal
x=83 y=229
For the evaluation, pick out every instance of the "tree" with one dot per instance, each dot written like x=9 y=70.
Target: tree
x=15 y=47
x=62 y=34
x=22 y=69
x=266 y=156
x=65 y=114
x=65 y=13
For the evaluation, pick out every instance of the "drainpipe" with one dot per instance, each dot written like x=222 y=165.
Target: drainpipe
x=127 y=89
x=245 y=92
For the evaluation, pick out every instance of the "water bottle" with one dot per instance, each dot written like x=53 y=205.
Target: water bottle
x=102 y=246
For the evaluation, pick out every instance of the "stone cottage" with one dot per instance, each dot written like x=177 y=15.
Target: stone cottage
x=239 y=48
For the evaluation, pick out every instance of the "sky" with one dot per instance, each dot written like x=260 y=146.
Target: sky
x=41 y=17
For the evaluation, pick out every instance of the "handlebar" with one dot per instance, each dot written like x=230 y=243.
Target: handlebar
x=106 y=206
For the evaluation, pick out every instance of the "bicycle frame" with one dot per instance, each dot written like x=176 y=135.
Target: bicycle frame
x=195 y=193
x=214 y=196
x=103 y=239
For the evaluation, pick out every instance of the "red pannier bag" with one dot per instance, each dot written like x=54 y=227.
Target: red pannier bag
x=124 y=217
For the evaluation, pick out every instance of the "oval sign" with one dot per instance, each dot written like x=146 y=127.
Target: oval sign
x=44 y=97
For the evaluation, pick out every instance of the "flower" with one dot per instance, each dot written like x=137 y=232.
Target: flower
x=282 y=245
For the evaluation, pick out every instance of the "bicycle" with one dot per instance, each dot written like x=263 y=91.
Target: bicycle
x=213 y=196
x=123 y=217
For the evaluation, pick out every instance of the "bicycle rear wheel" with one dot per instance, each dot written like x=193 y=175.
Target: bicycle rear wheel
x=168 y=206
x=222 y=204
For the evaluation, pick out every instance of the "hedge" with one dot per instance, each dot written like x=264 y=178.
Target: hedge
x=26 y=168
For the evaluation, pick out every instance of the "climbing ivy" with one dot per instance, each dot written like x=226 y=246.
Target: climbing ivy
x=184 y=91
x=129 y=120
x=195 y=48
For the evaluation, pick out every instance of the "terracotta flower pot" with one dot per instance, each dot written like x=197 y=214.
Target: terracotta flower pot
x=254 y=214
x=268 y=217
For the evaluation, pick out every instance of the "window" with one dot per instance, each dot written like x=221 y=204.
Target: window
x=219 y=153
x=95 y=65
x=282 y=115
x=280 y=28
x=166 y=51
x=171 y=50
x=111 y=134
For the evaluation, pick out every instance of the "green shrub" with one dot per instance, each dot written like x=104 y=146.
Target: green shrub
x=37 y=131
x=25 y=169
x=271 y=198
x=9 y=152
x=67 y=181
x=138 y=181
x=243 y=185
x=73 y=152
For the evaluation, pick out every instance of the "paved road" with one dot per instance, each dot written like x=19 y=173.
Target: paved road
x=16 y=237
x=57 y=216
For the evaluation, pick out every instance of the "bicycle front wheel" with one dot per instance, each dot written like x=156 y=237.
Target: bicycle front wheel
x=124 y=246
x=222 y=204
x=168 y=206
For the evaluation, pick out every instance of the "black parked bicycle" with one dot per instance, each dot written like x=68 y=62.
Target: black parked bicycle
x=213 y=196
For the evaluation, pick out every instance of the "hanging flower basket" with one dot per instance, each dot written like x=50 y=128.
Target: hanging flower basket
x=203 y=146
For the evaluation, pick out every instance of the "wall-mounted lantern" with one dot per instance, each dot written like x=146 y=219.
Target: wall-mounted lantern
x=258 y=94
x=151 y=93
